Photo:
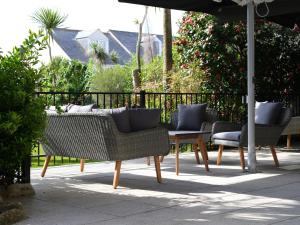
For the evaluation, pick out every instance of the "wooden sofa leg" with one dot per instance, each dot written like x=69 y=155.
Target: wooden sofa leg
x=157 y=168
x=242 y=158
x=82 y=165
x=117 y=173
x=220 y=152
x=274 y=155
x=46 y=163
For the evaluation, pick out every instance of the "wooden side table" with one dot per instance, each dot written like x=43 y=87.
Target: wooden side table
x=195 y=137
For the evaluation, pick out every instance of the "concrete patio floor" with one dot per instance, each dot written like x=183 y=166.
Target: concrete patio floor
x=224 y=195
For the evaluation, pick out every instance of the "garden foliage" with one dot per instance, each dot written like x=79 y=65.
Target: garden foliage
x=220 y=51
x=65 y=75
x=22 y=116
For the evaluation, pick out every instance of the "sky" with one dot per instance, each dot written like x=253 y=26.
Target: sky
x=15 y=17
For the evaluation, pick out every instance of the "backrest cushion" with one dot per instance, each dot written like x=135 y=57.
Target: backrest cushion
x=121 y=118
x=80 y=108
x=141 y=118
x=191 y=117
x=267 y=113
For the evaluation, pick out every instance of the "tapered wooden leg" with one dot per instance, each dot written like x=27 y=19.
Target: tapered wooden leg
x=274 y=156
x=157 y=168
x=202 y=147
x=177 y=155
x=148 y=161
x=289 y=141
x=46 y=163
x=82 y=165
x=195 y=148
x=220 y=152
x=117 y=174
x=162 y=158
x=242 y=158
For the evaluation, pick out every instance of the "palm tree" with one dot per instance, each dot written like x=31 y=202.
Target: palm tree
x=49 y=19
x=98 y=52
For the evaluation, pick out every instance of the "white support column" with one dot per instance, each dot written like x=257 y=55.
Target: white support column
x=251 y=87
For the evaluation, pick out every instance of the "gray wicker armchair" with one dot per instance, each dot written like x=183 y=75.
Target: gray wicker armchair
x=95 y=136
x=235 y=135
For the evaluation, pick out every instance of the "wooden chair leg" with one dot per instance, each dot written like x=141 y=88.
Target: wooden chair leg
x=274 y=156
x=148 y=161
x=289 y=141
x=157 y=168
x=46 y=163
x=195 y=148
x=242 y=158
x=203 y=150
x=82 y=165
x=177 y=155
x=162 y=158
x=220 y=152
x=117 y=173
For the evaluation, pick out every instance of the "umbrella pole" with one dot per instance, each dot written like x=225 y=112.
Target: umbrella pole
x=250 y=86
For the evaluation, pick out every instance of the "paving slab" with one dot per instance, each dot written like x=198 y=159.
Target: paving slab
x=225 y=195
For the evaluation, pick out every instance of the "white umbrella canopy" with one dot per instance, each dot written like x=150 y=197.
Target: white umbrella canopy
x=284 y=12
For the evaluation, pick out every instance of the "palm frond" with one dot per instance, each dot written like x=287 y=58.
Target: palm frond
x=49 y=19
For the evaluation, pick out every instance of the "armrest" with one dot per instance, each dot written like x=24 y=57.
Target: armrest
x=224 y=126
x=264 y=134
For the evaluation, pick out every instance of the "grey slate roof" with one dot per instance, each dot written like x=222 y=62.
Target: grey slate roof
x=65 y=38
x=129 y=39
x=124 y=56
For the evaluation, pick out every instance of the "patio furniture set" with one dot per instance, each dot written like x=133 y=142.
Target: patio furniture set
x=124 y=134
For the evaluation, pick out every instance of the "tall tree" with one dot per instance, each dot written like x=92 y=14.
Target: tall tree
x=167 y=50
x=136 y=74
x=49 y=19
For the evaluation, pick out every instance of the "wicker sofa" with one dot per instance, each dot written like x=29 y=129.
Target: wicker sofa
x=95 y=136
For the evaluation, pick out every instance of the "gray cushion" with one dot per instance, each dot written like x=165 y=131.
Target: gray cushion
x=121 y=118
x=80 y=108
x=230 y=136
x=190 y=117
x=141 y=119
x=267 y=113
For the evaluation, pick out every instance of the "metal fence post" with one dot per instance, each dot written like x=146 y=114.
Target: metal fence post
x=142 y=99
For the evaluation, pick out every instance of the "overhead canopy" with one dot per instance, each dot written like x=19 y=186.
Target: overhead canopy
x=284 y=12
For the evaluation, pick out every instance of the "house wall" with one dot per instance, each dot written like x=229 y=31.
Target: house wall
x=98 y=37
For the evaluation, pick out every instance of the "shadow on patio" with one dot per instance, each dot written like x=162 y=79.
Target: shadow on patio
x=223 y=196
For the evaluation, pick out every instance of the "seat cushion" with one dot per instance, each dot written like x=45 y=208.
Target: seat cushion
x=230 y=136
x=141 y=118
x=267 y=113
x=190 y=117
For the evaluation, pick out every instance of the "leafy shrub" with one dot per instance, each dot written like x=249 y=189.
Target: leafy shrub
x=113 y=79
x=22 y=116
x=219 y=49
x=65 y=75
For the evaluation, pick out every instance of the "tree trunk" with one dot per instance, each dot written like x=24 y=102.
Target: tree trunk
x=167 y=50
x=136 y=74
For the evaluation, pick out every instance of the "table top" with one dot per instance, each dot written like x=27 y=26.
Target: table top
x=187 y=132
